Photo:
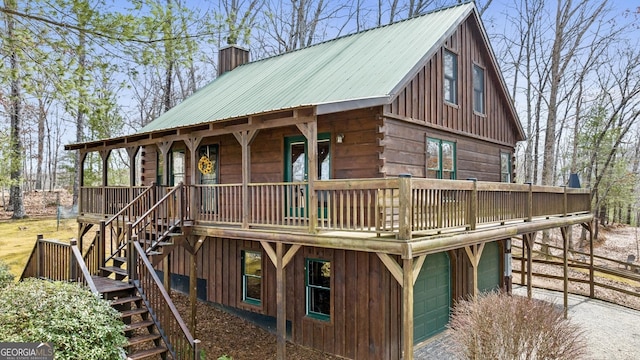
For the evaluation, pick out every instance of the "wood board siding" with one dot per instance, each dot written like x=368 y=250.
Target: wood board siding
x=365 y=305
x=356 y=157
x=422 y=98
x=405 y=151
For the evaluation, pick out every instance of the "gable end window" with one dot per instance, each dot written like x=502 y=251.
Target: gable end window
x=318 y=289
x=441 y=159
x=450 y=77
x=252 y=277
x=478 y=89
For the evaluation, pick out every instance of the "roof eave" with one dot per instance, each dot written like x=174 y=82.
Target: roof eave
x=352 y=104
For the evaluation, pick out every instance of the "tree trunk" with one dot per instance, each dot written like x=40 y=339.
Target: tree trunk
x=16 y=148
x=82 y=61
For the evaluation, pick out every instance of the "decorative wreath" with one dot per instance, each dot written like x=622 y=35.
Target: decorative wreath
x=205 y=165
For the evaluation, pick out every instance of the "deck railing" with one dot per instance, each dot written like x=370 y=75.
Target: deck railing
x=58 y=261
x=172 y=328
x=106 y=200
x=401 y=206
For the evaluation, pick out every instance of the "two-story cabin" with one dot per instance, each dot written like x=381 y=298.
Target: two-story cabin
x=350 y=190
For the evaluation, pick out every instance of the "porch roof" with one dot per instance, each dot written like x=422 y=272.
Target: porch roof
x=354 y=71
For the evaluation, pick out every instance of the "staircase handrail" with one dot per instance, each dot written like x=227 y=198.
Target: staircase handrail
x=124 y=213
x=77 y=262
x=150 y=287
x=179 y=218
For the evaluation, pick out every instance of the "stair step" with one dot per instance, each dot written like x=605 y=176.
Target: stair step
x=115 y=270
x=138 y=325
x=147 y=353
x=109 y=287
x=129 y=313
x=124 y=300
x=120 y=259
x=142 y=338
x=151 y=253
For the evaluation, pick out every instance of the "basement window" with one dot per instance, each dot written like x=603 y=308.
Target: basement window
x=318 y=284
x=251 y=277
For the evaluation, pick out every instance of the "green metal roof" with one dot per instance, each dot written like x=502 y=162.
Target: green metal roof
x=354 y=71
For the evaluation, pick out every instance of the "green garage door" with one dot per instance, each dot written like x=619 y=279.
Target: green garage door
x=432 y=297
x=489 y=268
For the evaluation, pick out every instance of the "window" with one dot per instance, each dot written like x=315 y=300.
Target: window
x=450 y=77
x=177 y=167
x=441 y=159
x=318 y=283
x=251 y=277
x=478 y=89
x=505 y=167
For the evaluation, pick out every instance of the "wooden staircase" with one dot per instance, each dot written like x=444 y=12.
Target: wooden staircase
x=144 y=338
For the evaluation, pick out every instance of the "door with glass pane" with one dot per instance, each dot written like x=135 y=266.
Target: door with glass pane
x=296 y=170
x=441 y=159
x=208 y=175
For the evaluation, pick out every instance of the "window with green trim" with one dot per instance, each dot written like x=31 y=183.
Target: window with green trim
x=441 y=159
x=505 y=167
x=450 y=77
x=318 y=284
x=252 y=277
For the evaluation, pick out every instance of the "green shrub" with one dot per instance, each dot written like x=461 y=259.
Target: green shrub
x=499 y=326
x=6 y=277
x=80 y=325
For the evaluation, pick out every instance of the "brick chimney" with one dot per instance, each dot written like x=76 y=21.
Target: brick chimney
x=231 y=57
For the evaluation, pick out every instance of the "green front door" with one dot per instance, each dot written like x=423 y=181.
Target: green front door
x=296 y=170
x=432 y=297
x=489 y=268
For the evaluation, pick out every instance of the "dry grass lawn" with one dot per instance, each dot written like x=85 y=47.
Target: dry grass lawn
x=17 y=238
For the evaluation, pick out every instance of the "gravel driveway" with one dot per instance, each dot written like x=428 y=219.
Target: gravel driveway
x=612 y=331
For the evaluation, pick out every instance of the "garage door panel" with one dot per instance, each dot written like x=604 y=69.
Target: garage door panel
x=432 y=297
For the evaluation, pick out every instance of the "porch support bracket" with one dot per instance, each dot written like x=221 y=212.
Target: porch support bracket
x=474 y=253
x=406 y=276
x=280 y=259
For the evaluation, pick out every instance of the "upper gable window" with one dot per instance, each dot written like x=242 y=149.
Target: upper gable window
x=450 y=77
x=478 y=89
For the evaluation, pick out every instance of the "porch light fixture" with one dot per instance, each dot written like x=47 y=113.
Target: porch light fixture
x=339 y=138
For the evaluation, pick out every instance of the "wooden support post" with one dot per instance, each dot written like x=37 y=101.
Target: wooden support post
x=101 y=243
x=83 y=157
x=73 y=263
x=166 y=269
x=280 y=259
x=473 y=206
x=132 y=151
x=407 y=309
x=404 y=213
x=474 y=252
x=104 y=155
x=193 y=291
x=529 y=239
x=565 y=261
x=530 y=203
x=164 y=148
x=310 y=131
x=193 y=282
x=281 y=300
x=591 y=279
x=245 y=138
x=192 y=144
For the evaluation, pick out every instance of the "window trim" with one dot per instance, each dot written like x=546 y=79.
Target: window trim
x=308 y=287
x=482 y=92
x=246 y=299
x=452 y=80
x=440 y=170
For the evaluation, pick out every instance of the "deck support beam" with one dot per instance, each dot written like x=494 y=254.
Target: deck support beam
x=528 y=239
x=474 y=253
x=565 y=266
x=280 y=259
x=406 y=276
x=193 y=245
